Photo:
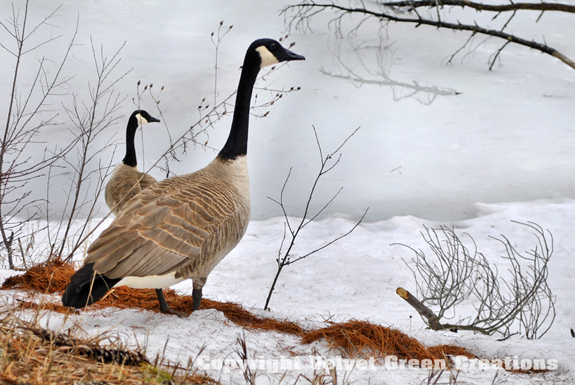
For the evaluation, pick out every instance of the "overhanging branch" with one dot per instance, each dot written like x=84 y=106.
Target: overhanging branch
x=303 y=8
x=543 y=7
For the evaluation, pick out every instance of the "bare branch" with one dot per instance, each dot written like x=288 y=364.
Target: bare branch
x=23 y=122
x=284 y=258
x=512 y=6
x=291 y=261
x=91 y=120
x=306 y=9
x=459 y=275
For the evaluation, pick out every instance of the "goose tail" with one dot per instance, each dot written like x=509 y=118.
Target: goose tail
x=86 y=287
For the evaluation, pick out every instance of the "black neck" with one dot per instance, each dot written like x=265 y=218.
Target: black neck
x=237 y=143
x=130 y=158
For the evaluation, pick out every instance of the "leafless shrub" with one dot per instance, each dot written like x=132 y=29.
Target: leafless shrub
x=34 y=113
x=30 y=112
x=287 y=257
x=459 y=275
x=90 y=119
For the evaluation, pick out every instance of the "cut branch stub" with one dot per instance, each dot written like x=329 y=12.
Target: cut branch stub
x=421 y=308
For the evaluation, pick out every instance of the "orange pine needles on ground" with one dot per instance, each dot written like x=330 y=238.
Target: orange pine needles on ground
x=50 y=277
x=353 y=339
x=361 y=339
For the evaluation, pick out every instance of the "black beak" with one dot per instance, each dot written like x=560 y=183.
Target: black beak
x=290 y=56
x=153 y=120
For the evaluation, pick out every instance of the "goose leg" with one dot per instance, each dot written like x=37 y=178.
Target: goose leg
x=164 y=308
x=197 y=292
x=197 y=297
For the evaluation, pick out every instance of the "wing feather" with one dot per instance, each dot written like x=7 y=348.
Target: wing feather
x=168 y=227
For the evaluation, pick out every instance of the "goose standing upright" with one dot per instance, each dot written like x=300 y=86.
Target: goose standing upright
x=127 y=181
x=183 y=226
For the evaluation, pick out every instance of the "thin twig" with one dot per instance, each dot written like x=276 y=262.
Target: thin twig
x=284 y=258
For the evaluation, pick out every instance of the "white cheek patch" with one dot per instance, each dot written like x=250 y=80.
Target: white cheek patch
x=141 y=120
x=268 y=58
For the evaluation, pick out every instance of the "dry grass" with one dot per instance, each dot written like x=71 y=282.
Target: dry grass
x=32 y=355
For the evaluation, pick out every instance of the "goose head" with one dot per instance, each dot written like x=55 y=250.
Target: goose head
x=142 y=117
x=272 y=52
x=137 y=119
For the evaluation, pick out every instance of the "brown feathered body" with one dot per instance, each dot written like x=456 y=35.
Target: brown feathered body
x=177 y=229
x=125 y=183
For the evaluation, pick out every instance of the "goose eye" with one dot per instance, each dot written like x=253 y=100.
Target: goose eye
x=273 y=46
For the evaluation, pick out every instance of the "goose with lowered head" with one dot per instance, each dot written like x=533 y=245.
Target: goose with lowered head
x=183 y=226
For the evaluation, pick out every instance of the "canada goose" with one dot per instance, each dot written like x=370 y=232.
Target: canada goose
x=127 y=181
x=183 y=226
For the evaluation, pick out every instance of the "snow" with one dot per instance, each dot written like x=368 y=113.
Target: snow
x=355 y=278
x=481 y=150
